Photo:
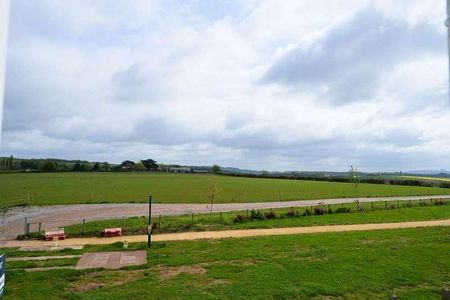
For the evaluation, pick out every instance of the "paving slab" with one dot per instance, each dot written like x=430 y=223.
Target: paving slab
x=112 y=260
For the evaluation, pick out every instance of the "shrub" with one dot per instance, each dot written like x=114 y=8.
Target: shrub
x=292 y=213
x=270 y=214
x=439 y=202
x=256 y=215
x=330 y=211
x=409 y=204
x=342 y=210
x=319 y=211
x=307 y=212
x=239 y=219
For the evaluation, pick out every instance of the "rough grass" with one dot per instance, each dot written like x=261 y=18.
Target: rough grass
x=43 y=263
x=138 y=225
x=412 y=263
x=90 y=187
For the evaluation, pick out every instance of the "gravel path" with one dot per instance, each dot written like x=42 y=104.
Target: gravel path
x=12 y=222
x=33 y=244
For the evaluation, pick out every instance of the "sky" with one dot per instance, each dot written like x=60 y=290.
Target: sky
x=273 y=85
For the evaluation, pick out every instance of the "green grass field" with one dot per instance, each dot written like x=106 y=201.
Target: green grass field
x=425 y=178
x=70 y=188
x=412 y=263
x=138 y=225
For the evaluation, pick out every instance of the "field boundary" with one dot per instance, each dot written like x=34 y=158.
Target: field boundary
x=34 y=244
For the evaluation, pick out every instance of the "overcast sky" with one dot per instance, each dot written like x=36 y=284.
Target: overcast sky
x=275 y=85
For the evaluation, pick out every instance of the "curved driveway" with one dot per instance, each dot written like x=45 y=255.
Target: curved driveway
x=12 y=223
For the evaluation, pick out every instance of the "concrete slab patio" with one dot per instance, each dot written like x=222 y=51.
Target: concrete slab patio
x=112 y=260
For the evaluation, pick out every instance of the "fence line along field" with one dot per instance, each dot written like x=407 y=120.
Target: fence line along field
x=98 y=187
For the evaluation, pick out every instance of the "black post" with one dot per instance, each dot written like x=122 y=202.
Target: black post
x=149 y=229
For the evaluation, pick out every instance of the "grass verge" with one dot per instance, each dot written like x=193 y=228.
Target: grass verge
x=412 y=263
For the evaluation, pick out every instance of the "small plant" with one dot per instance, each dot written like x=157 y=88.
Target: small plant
x=239 y=219
x=342 y=210
x=409 y=204
x=256 y=215
x=330 y=211
x=292 y=213
x=319 y=210
x=270 y=214
x=307 y=212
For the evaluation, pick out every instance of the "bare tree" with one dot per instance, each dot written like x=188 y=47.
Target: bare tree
x=354 y=178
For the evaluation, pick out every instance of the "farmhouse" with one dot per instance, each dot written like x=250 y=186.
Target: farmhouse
x=180 y=170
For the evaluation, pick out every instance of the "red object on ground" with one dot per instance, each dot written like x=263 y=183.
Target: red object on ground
x=59 y=233
x=107 y=232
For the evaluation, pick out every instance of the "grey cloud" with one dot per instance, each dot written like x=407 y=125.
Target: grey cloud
x=352 y=59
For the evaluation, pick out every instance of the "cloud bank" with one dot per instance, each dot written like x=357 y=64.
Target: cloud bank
x=291 y=85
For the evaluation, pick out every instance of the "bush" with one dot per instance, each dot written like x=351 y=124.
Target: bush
x=330 y=211
x=292 y=213
x=239 y=219
x=256 y=215
x=307 y=212
x=439 y=202
x=270 y=214
x=319 y=211
x=342 y=210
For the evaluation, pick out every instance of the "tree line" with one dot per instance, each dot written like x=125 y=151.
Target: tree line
x=11 y=164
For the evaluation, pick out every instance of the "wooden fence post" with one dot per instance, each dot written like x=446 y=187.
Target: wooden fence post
x=159 y=222
x=192 y=218
x=39 y=229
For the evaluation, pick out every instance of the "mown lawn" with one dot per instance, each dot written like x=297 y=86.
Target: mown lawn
x=412 y=263
x=90 y=187
x=395 y=212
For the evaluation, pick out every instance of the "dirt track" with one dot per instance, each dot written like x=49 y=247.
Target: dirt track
x=12 y=224
x=226 y=234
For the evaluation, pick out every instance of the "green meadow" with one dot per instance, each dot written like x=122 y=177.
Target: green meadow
x=91 y=187
x=411 y=263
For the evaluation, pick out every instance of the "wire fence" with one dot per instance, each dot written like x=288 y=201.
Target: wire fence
x=191 y=221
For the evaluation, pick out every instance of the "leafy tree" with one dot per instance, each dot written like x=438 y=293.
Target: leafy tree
x=127 y=164
x=96 y=167
x=49 y=166
x=139 y=166
x=77 y=167
x=150 y=164
x=105 y=166
x=216 y=169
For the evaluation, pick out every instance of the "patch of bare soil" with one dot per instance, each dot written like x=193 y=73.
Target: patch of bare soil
x=219 y=282
x=97 y=280
x=167 y=272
